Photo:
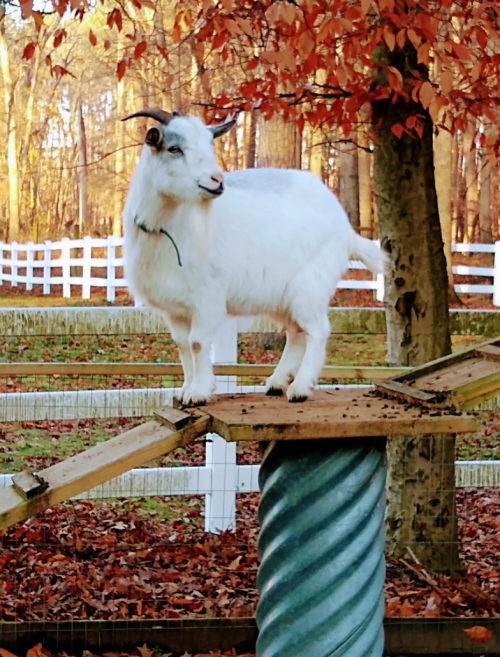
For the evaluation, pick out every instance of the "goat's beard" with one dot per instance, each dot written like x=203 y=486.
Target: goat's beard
x=201 y=228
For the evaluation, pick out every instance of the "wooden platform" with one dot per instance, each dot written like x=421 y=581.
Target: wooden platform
x=343 y=413
x=330 y=414
x=462 y=380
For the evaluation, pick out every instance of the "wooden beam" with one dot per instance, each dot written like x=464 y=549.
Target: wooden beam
x=175 y=369
x=97 y=465
x=414 y=373
x=174 y=418
x=490 y=352
x=402 y=391
x=29 y=484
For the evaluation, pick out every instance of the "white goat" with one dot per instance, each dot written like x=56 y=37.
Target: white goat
x=200 y=245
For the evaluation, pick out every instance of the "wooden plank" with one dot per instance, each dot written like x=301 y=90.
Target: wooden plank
x=175 y=369
x=174 y=418
x=491 y=352
x=29 y=484
x=97 y=465
x=328 y=414
x=440 y=363
x=402 y=391
x=448 y=377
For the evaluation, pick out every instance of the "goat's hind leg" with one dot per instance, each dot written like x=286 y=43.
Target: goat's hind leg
x=317 y=332
x=289 y=363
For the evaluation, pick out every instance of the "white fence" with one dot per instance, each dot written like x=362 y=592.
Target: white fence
x=219 y=480
x=58 y=255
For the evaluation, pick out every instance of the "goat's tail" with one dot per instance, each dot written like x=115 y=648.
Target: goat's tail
x=369 y=253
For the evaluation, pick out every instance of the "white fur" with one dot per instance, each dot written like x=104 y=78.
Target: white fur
x=276 y=242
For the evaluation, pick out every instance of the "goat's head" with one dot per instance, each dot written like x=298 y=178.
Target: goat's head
x=181 y=155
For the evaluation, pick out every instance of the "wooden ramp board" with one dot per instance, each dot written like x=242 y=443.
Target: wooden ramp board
x=461 y=380
x=95 y=466
x=342 y=413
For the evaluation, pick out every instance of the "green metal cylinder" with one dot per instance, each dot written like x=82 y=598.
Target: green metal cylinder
x=321 y=548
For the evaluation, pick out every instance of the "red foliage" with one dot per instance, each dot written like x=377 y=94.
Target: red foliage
x=97 y=561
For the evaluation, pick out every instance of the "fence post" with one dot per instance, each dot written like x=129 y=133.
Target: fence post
x=13 y=264
x=380 y=290
x=29 y=265
x=220 y=504
x=66 y=267
x=496 y=277
x=47 y=269
x=86 y=266
x=111 y=269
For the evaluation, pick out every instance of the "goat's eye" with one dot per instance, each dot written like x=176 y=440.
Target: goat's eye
x=174 y=149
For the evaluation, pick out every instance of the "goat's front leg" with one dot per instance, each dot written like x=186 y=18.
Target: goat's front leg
x=180 y=328
x=201 y=338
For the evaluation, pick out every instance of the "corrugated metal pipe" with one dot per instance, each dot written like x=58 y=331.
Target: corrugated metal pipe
x=321 y=547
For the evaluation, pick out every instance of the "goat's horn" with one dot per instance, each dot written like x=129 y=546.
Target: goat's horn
x=152 y=113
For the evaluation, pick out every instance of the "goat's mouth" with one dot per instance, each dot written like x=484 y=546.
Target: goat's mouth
x=215 y=192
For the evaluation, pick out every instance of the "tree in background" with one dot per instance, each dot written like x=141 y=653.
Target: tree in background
x=382 y=53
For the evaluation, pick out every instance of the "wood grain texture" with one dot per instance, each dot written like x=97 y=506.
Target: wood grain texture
x=175 y=369
x=328 y=414
x=97 y=465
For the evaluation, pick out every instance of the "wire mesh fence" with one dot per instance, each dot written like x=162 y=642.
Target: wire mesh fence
x=177 y=538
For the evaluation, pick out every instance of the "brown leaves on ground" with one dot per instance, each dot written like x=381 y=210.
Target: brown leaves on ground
x=144 y=651
x=101 y=561
x=98 y=561
x=412 y=591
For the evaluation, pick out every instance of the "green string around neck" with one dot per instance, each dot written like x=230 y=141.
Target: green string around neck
x=143 y=227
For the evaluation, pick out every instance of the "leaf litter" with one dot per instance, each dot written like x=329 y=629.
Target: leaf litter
x=106 y=560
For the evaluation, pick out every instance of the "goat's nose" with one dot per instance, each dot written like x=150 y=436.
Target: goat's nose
x=218 y=178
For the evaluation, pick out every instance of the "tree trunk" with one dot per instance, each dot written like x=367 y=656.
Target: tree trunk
x=12 y=162
x=317 y=152
x=417 y=319
x=443 y=147
x=278 y=143
x=421 y=512
x=471 y=192
x=83 y=214
x=349 y=181
x=485 y=195
x=455 y=200
x=365 y=176
x=119 y=160
x=250 y=138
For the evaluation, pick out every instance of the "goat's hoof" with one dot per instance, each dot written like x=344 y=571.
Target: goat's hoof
x=298 y=399
x=275 y=392
x=298 y=394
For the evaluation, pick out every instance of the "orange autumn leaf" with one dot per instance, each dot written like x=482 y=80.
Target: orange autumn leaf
x=29 y=51
x=6 y=653
x=479 y=633
x=426 y=94
x=395 y=79
x=92 y=38
x=306 y=44
x=140 y=49
x=397 y=129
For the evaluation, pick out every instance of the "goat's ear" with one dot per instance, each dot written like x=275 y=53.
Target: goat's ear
x=221 y=128
x=153 y=138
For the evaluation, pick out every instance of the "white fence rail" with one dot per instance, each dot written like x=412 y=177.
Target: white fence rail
x=38 y=269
